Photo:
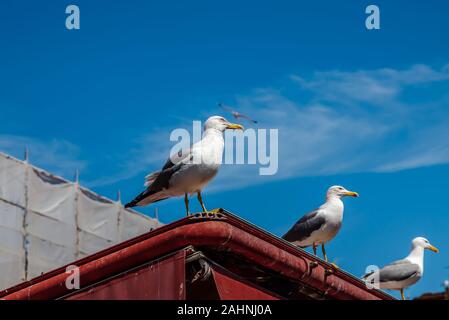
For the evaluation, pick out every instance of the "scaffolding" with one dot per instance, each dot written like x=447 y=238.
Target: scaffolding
x=47 y=221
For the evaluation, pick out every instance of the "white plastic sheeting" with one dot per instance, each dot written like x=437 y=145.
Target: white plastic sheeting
x=12 y=254
x=47 y=222
x=98 y=222
x=50 y=222
x=132 y=224
x=12 y=180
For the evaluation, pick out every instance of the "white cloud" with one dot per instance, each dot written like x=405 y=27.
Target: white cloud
x=57 y=156
x=353 y=122
x=373 y=86
x=331 y=123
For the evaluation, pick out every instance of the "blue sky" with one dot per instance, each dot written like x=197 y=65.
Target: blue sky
x=365 y=109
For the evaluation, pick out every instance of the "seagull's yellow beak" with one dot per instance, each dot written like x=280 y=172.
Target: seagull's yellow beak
x=432 y=248
x=351 y=194
x=234 y=126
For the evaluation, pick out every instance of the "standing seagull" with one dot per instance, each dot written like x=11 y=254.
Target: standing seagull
x=188 y=171
x=237 y=115
x=321 y=225
x=403 y=273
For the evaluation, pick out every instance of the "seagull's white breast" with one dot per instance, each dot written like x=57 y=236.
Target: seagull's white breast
x=332 y=211
x=202 y=167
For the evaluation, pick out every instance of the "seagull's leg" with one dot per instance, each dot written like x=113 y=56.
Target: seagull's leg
x=186 y=201
x=402 y=294
x=314 y=248
x=324 y=251
x=200 y=199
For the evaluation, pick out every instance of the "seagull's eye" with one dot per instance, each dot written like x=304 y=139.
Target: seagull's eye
x=340 y=188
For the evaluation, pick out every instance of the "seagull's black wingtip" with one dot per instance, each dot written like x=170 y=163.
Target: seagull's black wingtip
x=129 y=205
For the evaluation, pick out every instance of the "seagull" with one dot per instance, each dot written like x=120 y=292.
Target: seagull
x=188 y=171
x=403 y=273
x=321 y=225
x=237 y=115
x=446 y=284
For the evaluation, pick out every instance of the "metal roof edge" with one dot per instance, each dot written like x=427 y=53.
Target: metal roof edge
x=206 y=230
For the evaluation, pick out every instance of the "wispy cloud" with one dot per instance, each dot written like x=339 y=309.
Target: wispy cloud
x=363 y=121
x=331 y=122
x=358 y=121
x=58 y=156
x=371 y=86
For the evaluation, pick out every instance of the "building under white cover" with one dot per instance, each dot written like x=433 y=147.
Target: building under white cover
x=47 y=222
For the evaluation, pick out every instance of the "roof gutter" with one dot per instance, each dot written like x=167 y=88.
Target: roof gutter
x=223 y=231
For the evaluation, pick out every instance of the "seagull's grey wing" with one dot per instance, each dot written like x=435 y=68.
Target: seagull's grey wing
x=156 y=189
x=396 y=271
x=182 y=154
x=305 y=226
x=402 y=261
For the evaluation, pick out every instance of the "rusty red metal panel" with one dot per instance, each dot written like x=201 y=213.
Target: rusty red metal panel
x=218 y=231
x=162 y=280
x=230 y=288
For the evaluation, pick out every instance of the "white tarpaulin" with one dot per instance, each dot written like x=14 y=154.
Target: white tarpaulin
x=12 y=253
x=98 y=222
x=45 y=255
x=51 y=197
x=132 y=224
x=12 y=180
x=47 y=222
x=50 y=222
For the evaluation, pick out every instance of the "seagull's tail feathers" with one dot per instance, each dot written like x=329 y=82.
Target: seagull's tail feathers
x=288 y=238
x=149 y=179
x=147 y=197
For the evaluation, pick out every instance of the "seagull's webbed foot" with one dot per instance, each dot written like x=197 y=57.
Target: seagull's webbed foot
x=200 y=199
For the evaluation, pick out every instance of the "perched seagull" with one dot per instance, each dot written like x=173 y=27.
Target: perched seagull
x=403 y=273
x=190 y=170
x=237 y=115
x=321 y=225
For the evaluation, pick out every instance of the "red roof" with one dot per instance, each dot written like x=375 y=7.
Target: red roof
x=243 y=261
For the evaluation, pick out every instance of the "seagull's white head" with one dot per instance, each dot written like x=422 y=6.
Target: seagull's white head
x=340 y=192
x=423 y=243
x=221 y=124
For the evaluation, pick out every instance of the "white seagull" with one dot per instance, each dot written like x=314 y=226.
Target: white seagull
x=403 y=273
x=188 y=171
x=321 y=225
